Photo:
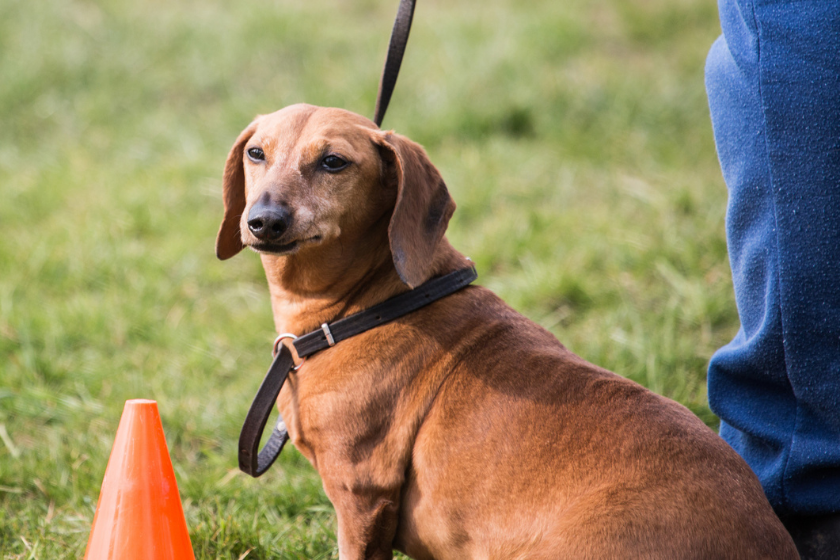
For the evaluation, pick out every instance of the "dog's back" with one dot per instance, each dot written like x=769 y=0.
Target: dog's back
x=530 y=452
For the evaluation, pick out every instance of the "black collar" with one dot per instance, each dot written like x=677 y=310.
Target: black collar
x=256 y=462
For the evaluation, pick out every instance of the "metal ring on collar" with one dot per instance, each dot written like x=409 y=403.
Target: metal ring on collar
x=276 y=345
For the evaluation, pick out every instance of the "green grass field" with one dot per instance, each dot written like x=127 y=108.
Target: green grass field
x=574 y=136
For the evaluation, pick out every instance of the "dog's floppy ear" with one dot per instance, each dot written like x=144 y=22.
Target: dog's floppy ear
x=229 y=239
x=422 y=209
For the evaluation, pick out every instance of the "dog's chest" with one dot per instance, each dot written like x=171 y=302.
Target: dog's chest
x=348 y=400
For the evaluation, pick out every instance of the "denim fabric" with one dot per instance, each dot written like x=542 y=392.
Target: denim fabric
x=773 y=81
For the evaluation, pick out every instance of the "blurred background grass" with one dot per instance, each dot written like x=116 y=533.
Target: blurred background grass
x=573 y=135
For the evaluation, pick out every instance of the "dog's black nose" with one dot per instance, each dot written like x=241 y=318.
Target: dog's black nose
x=268 y=222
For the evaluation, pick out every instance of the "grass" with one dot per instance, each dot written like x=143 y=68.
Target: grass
x=573 y=135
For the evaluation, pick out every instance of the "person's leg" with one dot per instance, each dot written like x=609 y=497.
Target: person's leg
x=773 y=81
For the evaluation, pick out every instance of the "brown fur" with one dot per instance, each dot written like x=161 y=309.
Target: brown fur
x=464 y=430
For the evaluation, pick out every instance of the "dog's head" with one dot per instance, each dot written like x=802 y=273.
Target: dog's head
x=308 y=177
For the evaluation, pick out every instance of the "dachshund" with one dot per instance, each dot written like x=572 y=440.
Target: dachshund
x=461 y=430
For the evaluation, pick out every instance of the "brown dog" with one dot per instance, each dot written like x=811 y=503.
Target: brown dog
x=462 y=430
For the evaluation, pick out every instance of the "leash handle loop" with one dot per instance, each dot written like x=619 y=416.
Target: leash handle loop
x=252 y=460
x=393 y=60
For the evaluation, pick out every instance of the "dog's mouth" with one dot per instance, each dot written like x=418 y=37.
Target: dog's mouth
x=283 y=248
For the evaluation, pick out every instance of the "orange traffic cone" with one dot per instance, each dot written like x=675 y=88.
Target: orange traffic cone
x=139 y=514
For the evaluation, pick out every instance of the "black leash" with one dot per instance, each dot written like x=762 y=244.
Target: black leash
x=396 y=50
x=254 y=461
x=251 y=459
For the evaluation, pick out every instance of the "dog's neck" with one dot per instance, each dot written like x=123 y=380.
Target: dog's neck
x=328 y=283
x=303 y=295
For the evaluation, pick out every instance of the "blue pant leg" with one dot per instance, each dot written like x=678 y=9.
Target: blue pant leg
x=773 y=81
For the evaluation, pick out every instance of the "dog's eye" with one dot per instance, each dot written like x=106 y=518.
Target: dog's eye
x=256 y=154
x=334 y=163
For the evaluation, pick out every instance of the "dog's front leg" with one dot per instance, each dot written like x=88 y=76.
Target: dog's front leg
x=367 y=521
